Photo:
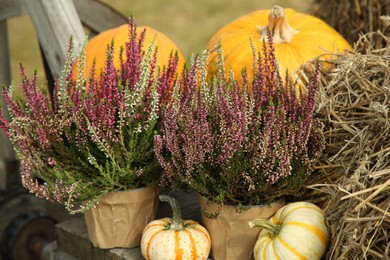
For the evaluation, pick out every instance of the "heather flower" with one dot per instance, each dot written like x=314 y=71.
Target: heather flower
x=96 y=133
x=244 y=143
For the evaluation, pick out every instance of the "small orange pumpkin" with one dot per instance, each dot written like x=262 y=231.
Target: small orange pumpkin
x=174 y=238
x=297 y=38
x=96 y=48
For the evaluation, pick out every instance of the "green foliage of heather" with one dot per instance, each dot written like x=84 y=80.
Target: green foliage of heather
x=238 y=142
x=95 y=135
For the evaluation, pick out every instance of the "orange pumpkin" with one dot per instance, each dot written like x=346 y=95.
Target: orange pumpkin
x=297 y=38
x=96 y=48
x=174 y=238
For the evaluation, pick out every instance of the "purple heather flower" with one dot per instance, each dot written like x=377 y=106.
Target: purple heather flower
x=239 y=143
x=97 y=134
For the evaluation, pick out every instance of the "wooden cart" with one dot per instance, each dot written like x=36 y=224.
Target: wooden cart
x=26 y=222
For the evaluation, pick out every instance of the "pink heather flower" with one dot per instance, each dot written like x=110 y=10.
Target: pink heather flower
x=239 y=144
x=51 y=162
x=96 y=133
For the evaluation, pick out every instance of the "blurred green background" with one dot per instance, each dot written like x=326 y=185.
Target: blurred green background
x=190 y=24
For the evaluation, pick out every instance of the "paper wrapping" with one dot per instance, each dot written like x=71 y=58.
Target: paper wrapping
x=231 y=236
x=120 y=217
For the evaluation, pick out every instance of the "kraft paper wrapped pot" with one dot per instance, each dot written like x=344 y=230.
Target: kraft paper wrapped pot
x=120 y=217
x=231 y=236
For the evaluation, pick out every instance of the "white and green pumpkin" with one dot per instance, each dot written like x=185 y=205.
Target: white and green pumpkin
x=296 y=231
x=174 y=238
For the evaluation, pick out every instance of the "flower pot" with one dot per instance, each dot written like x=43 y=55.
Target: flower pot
x=120 y=217
x=231 y=236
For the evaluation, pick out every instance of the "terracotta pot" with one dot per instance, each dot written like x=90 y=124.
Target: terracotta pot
x=120 y=217
x=231 y=236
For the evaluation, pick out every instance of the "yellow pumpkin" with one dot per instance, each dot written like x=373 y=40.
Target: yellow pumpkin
x=297 y=38
x=174 y=238
x=96 y=48
x=296 y=231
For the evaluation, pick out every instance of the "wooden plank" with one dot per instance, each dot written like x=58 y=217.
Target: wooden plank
x=72 y=239
x=55 y=21
x=6 y=150
x=3 y=163
x=11 y=8
x=5 y=70
x=98 y=16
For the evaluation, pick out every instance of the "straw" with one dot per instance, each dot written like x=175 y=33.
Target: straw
x=353 y=180
x=352 y=18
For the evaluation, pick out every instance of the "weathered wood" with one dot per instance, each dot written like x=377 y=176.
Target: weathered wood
x=3 y=164
x=55 y=21
x=11 y=8
x=5 y=68
x=95 y=15
x=6 y=151
x=72 y=239
x=51 y=252
x=98 y=16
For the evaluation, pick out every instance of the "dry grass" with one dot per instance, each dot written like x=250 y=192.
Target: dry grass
x=353 y=186
x=352 y=18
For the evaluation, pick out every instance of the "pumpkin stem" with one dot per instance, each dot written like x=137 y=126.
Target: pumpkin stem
x=274 y=229
x=176 y=222
x=278 y=27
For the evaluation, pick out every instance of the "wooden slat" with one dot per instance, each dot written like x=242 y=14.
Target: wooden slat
x=11 y=8
x=5 y=70
x=95 y=15
x=98 y=16
x=72 y=238
x=6 y=150
x=3 y=162
x=55 y=21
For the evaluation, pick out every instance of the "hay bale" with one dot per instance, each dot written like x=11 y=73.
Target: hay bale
x=352 y=18
x=353 y=184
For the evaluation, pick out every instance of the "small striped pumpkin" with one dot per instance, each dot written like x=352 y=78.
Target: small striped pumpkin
x=296 y=231
x=174 y=238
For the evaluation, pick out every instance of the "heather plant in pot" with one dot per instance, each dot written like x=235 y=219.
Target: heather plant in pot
x=239 y=145
x=94 y=137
